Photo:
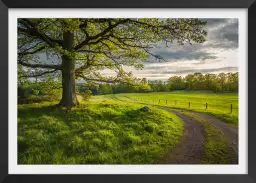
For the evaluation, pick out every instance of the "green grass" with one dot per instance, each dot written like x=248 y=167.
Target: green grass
x=110 y=129
x=96 y=132
x=216 y=150
x=218 y=103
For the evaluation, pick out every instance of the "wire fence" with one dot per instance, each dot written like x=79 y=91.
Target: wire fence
x=228 y=108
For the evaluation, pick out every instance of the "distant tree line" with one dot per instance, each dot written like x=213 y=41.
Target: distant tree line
x=223 y=82
x=49 y=89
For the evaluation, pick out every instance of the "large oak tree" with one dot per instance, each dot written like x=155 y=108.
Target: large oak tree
x=84 y=47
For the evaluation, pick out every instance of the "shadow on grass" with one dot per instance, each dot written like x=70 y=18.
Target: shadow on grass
x=104 y=133
x=36 y=111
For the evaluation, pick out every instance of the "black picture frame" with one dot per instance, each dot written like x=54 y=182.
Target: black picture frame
x=5 y=4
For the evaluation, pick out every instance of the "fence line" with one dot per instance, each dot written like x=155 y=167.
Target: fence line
x=206 y=106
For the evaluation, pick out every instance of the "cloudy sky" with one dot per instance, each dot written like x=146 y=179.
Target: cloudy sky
x=217 y=54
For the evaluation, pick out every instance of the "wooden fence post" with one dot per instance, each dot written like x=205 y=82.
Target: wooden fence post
x=206 y=106
x=188 y=104
x=230 y=108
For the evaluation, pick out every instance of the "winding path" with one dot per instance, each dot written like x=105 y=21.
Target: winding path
x=230 y=132
x=190 y=149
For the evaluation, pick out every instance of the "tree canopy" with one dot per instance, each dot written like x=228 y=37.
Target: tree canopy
x=80 y=48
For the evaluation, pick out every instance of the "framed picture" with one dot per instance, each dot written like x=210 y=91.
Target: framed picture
x=126 y=91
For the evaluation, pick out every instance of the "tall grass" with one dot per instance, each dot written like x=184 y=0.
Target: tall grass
x=102 y=133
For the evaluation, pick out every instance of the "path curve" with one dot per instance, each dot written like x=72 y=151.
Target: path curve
x=190 y=149
x=230 y=132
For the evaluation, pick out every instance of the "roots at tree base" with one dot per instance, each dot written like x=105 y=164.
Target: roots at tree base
x=68 y=103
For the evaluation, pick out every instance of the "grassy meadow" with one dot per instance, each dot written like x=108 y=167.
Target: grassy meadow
x=110 y=91
x=218 y=104
x=103 y=133
x=111 y=129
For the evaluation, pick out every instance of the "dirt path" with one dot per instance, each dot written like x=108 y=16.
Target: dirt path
x=190 y=149
x=230 y=132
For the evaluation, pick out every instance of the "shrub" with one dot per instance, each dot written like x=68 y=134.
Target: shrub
x=37 y=99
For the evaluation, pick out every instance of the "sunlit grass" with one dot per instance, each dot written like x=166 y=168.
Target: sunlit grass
x=110 y=129
x=95 y=133
x=218 y=104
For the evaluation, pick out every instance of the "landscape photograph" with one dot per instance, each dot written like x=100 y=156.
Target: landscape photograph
x=127 y=91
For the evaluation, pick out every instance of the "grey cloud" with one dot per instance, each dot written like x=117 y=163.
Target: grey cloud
x=164 y=75
x=185 y=55
x=151 y=75
x=222 y=35
x=188 y=71
x=211 y=22
x=164 y=67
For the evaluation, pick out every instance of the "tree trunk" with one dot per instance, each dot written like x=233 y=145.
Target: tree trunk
x=68 y=84
x=69 y=98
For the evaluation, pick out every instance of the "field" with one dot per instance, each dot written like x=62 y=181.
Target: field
x=97 y=133
x=110 y=91
x=218 y=104
x=111 y=129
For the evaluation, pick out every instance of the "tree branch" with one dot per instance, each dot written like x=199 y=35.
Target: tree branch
x=32 y=52
x=116 y=80
x=44 y=66
x=31 y=30
x=38 y=75
x=104 y=32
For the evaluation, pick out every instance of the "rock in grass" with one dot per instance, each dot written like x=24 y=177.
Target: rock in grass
x=145 y=109
x=149 y=129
